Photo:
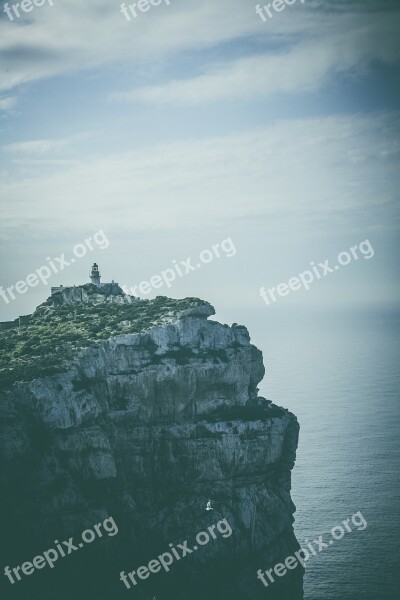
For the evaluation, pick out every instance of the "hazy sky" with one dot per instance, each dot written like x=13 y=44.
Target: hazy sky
x=194 y=123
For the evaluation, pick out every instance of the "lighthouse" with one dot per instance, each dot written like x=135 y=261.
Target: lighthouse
x=95 y=275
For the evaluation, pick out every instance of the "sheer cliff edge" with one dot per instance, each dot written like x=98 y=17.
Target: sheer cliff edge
x=143 y=410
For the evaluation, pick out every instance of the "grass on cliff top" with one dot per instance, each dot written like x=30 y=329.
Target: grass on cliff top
x=56 y=333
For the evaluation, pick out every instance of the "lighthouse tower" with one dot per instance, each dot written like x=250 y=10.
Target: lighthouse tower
x=108 y=288
x=95 y=275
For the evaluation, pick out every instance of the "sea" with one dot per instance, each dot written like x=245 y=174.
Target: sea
x=338 y=372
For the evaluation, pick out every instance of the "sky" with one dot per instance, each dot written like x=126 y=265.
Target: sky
x=198 y=122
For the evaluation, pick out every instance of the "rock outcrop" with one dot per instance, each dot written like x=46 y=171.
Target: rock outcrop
x=146 y=426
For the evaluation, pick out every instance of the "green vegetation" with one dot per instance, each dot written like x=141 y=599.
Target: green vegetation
x=55 y=334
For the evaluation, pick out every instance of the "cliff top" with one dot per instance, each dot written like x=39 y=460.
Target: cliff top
x=107 y=292
x=80 y=317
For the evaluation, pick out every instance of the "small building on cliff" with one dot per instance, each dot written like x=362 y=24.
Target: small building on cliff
x=94 y=278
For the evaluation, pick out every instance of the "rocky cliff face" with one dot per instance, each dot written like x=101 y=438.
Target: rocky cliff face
x=146 y=426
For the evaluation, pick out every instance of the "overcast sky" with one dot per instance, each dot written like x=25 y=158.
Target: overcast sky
x=194 y=123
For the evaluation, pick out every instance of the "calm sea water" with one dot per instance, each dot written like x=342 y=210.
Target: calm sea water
x=339 y=373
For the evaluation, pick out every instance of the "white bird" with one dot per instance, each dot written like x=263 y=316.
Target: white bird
x=209 y=507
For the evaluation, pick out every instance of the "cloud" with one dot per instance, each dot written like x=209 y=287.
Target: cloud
x=7 y=103
x=43 y=146
x=306 y=66
x=296 y=71
x=73 y=36
x=332 y=168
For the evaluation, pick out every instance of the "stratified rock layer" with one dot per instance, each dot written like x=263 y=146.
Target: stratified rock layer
x=146 y=427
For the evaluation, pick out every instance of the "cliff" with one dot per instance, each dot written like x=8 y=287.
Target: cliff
x=142 y=410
